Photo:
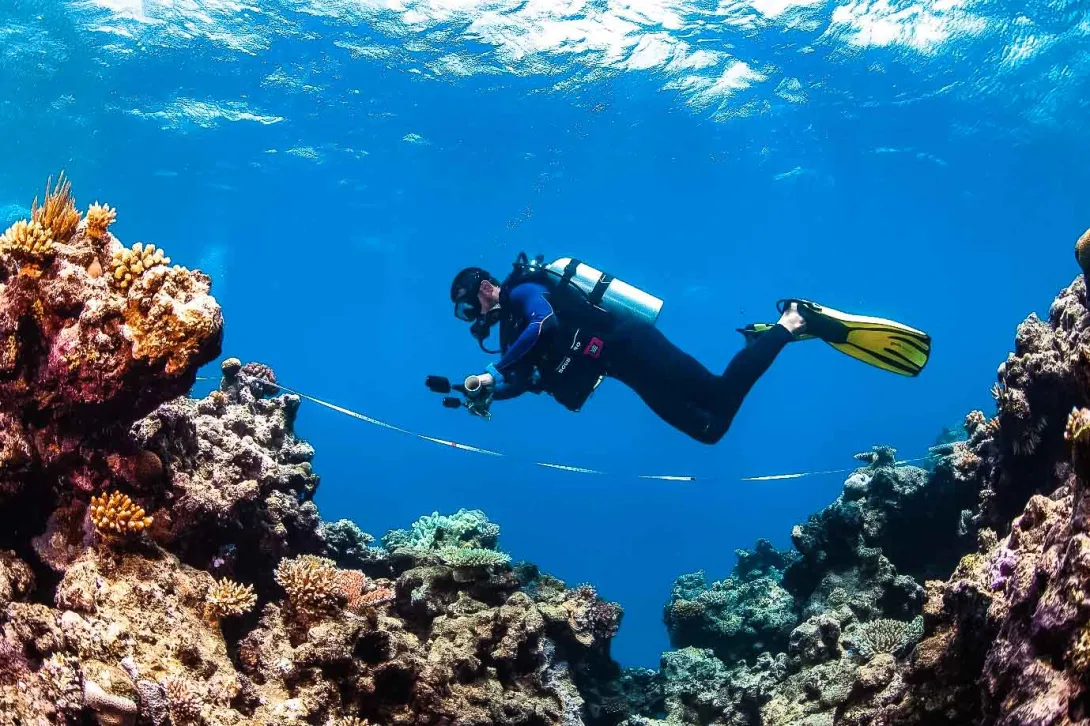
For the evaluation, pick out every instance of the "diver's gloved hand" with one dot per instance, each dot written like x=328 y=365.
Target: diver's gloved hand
x=479 y=391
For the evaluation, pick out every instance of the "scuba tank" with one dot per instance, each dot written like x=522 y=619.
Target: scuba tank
x=602 y=290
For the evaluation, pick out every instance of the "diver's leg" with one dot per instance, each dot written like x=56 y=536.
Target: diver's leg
x=681 y=390
x=672 y=383
x=743 y=371
x=662 y=398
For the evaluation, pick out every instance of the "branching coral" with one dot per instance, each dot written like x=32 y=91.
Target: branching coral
x=183 y=701
x=27 y=240
x=58 y=213
x=360 y=593
x=374 y=598
x=128 y=265
x=116 y=514
x=887 y=636
x=227 y=598
x=974 y=420
x=313 y=584
x=99 y=219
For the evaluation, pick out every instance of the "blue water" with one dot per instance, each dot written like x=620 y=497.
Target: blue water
x=333 y=164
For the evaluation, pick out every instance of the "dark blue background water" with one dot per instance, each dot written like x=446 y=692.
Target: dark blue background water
x=333 y=192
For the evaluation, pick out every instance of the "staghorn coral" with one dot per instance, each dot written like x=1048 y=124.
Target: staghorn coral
x=467 y=528
x=117 y=514
x=99 y=219
x=129 y=265
x=230 y=598
x=27 y=241
x=58 y=213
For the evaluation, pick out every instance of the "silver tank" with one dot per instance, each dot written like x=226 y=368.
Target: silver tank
x=620 y=298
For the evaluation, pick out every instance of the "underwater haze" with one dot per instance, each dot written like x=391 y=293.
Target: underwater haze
x=333 y=164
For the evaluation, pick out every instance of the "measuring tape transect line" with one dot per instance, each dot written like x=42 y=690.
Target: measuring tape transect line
x=561 y=467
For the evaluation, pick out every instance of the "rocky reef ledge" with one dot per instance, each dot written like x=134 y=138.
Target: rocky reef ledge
x=162 y=561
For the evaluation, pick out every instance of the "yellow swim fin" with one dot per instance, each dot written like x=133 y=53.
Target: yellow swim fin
x=882 y=343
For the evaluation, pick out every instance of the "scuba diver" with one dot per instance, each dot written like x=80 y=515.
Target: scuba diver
x=566 y=326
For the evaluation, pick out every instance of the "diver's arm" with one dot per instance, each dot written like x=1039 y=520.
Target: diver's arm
x=529 y=298
x=510 y=388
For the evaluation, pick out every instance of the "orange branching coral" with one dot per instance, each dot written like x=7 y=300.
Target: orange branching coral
x=99 y=219
x=129 y=264
x=352 y=583
x=374 y=598
x=230 y=598
x=27 y=240
x=312 y=583
x=117 y=514
x=58 y=212
x=359 y=593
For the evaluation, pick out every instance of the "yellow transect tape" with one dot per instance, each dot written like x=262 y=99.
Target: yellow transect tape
x=560 y=467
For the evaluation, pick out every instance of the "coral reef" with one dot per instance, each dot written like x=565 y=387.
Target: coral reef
x=162 y=561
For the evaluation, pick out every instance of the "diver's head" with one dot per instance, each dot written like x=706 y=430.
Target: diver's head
x=474 y=292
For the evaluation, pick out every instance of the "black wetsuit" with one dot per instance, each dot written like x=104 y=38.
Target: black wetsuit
x=671 y=382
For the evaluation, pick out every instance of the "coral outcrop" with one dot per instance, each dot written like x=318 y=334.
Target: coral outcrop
x=80 y=360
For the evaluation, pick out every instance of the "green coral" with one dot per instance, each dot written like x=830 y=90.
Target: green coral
x=736 y=617
x=465 y=540
x=465 y=528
